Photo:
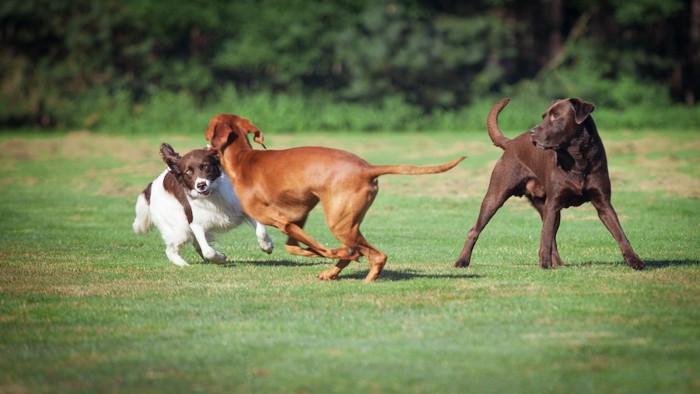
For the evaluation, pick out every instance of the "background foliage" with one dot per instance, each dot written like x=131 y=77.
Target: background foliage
x=345 y=65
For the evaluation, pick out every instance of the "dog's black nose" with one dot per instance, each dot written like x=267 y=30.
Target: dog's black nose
x=201 y=185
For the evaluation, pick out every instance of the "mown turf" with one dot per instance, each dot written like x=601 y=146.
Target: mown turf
x=86 y=305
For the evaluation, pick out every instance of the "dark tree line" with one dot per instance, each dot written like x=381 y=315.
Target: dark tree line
x=59 y=56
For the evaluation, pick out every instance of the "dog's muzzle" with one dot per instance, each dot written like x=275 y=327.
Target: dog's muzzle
x=202 y=187
x=534 y=138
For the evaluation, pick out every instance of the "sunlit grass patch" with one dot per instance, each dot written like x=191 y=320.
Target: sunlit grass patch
x=86 y=305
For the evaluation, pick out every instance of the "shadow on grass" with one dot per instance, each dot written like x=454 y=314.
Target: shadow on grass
x=387 y=274
x=390 y=275
x=670 y=263
x=276 y=263
x=650 y=264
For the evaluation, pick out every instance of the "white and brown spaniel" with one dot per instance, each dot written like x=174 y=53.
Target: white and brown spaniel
x=190 y=199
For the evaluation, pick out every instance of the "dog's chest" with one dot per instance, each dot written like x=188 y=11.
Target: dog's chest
x=572 y=192
x=218 y=211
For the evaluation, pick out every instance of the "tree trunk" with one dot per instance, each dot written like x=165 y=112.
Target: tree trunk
x=556 y=14
x=692 y=85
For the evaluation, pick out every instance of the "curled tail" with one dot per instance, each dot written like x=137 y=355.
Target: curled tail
x=413 y=170
x=497 y=137
x=143 y=223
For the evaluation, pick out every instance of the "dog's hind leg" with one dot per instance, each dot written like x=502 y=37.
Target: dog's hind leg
x=354 y=240
x=297 y=234
x=344 y=222
x=608 y=216
x=375 y=258
x=501 y=187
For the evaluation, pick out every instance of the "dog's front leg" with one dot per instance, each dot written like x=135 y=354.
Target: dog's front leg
x=608 y=216
x=206 y=250
x=550 y=225
x=556 y=259
x=539 y=206
x=261 y=232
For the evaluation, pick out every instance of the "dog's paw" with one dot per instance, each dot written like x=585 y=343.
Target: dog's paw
x=266 y=245
x=328 y=274
x=635 y=262
x=462 y=263
x=557 y=261
x=218 y=258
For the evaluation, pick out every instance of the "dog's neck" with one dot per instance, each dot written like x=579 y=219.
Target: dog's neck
x=582 y=150
x=231 y=152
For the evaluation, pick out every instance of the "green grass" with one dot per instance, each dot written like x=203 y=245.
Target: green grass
x=87 y=306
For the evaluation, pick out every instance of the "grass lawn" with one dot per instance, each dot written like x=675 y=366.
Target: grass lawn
x=88 y=306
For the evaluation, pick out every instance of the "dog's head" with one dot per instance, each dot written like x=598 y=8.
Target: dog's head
x=227 y=130
x=560 y=122
x=197 y=171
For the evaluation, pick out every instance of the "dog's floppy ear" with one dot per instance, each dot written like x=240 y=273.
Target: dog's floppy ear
x=259 y=137
x=223 y=130
x=170 y=157
x=582 y=109
x=247 y=126
x=219 y=133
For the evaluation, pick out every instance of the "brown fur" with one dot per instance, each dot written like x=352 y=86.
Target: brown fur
x=280 y=187
x=558 y=164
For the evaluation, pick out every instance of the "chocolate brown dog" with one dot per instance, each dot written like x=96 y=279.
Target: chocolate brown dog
x=280 y=187
x=559 y=164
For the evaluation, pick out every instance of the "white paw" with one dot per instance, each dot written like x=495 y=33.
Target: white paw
x=218 y=258
x=175 y=257
x=266 y=245
x=180 y=263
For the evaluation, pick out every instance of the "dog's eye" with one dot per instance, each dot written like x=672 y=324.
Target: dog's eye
x=189 y=171
x=205 y=167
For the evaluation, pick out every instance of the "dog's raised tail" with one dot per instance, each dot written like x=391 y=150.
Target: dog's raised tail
x=406 y=169
x=497 y=137
x=143 y=223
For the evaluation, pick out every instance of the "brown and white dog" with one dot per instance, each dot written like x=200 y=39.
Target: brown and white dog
x=191 y=198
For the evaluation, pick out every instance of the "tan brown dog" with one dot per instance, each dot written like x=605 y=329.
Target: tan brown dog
x=280 y=187
x=558 y=164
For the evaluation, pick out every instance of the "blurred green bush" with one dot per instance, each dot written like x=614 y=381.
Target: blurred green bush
x=351 y=65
